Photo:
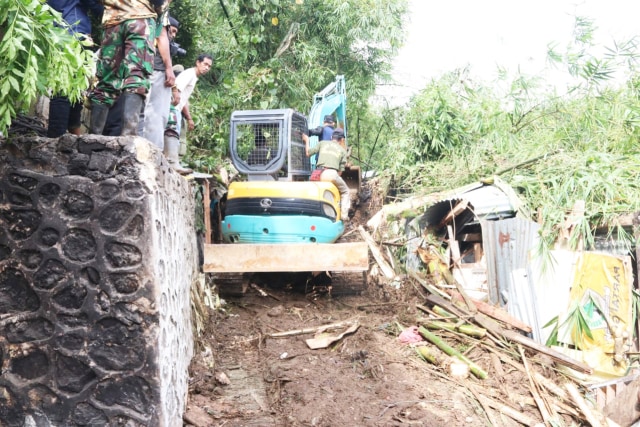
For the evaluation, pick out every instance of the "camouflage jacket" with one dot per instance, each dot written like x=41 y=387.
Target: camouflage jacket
x=118 y=11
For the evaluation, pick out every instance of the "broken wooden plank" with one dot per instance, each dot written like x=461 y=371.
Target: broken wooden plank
x=455 y=258
x=561 y=358
x=432 y=289
x=589 y=413
x=478 y=252
x=475 y=238
x=388 y=272
x=510 y=412
x=443 y=303
x=624 y=408
x=457 y=210
x=313 y=330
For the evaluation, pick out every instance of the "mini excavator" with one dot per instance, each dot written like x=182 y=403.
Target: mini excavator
x=277 y=220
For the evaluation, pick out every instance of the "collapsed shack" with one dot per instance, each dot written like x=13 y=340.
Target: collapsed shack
x=478 y=255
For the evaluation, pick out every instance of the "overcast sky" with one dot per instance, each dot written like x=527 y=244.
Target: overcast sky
x=446 y=35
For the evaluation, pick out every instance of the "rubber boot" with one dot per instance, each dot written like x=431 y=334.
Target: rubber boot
x=132 y=105
x=171 y=149
x=99 y=114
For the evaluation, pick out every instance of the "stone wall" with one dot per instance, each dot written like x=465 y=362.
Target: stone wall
x=98 y=251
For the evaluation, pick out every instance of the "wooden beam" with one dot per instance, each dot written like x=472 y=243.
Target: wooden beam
x=495 y=312
x=206 y=201
x=247 y=258
x=457 y=210
x=623 y=408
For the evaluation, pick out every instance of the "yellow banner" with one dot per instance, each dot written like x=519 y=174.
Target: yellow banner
x=602 y=288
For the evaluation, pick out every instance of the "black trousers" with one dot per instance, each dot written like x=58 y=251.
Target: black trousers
x=63 y=116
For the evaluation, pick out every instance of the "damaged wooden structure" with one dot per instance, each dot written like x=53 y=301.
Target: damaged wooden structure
x=478 y=243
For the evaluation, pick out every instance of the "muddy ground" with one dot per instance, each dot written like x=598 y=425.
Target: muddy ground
x=368 y=378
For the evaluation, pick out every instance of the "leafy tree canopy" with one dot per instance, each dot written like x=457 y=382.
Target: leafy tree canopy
x=279 y=53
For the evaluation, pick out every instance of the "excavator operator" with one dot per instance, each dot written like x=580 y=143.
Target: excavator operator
x=332 y=158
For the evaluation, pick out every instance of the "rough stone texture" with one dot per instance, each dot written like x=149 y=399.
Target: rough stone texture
x=98 y=250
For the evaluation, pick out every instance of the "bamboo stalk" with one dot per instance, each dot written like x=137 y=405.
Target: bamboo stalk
x=442 y=312
x=467 y=329
x=493 y=327
x=582 y=405
x=542 y=405
x=510 y=412
x=475 y=369
x=429 y=355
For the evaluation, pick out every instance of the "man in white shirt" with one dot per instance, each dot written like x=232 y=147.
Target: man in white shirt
x=185 y=83
x=155 y=114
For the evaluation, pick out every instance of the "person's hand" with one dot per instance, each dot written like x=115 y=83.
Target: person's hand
x=169 y=78
x=192 y=125
x=175 y=96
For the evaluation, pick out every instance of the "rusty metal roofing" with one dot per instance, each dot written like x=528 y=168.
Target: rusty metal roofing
x=487 y=201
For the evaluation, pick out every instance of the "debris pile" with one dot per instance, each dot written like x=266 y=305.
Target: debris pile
x=495 y=296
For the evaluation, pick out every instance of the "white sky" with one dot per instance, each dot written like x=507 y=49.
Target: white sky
x=446 y=35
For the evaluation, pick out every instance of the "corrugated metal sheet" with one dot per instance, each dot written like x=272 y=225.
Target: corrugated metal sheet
x=612 y=245
x=507 y=247
x=487 y=202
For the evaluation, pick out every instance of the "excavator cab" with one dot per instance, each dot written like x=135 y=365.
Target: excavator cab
x=267 y=145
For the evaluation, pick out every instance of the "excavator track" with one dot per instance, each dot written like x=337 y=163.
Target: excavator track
x=310 y=283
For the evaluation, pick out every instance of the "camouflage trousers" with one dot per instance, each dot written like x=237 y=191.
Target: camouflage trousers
x=126 y=60
x=173 y=123
x=175 y=128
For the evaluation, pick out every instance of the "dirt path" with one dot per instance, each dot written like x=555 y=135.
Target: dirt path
x=366 y=379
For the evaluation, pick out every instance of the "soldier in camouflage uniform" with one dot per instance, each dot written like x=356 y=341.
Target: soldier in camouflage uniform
x=126 y=60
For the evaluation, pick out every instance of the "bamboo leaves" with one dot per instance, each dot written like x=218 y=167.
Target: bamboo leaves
x=574 y=328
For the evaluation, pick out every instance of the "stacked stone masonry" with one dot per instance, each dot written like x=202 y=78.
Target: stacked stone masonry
x=98 y=251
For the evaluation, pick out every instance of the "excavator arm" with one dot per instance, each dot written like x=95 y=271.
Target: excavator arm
x=332 y=100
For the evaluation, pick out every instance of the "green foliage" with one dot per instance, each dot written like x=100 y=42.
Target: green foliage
x=37 y=57
x=554 y=150
x=278 y=54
